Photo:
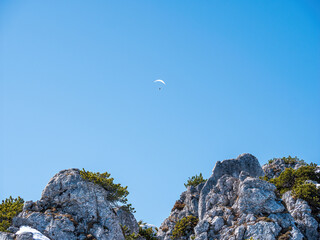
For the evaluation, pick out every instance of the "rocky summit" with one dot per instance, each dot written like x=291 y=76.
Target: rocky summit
x=240 y=200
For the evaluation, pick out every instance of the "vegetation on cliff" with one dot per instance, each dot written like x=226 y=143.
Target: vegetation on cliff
x=295 y=180
x=146 y=233
x=184 y=227
x=9 y=208
x=116 y=193
x=195 y=180
x=289 y=160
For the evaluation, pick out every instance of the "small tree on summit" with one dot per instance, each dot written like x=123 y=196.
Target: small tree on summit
x=116 y=193
x=195 y=180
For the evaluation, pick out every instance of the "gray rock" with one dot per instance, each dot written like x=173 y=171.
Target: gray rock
x=72 y=208
x=296 y=234
x=263 y=230
x=235 y=204
x=13 y=229
x=127 y=219
x=6 y=236
x=217 y=223
x=190 y=199
x=202 y=236
x=302 y=214
x=232 y=167
x=285 y=220
x=201 y=227
x=239 y=232
x=25 y=236
x=243 y=175
x=257 y=197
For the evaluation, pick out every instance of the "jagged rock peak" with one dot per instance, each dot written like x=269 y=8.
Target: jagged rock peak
x=73 y=208
x=235 y=204
x=244 y=165
x=233 y=167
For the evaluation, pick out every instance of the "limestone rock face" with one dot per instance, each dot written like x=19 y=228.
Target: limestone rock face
x=302 y=214
x=187 y=205
x=72 y=208
x=238 y=209
x=257 y=197
x=234 y=204
x=231 y=167
x=127 y=219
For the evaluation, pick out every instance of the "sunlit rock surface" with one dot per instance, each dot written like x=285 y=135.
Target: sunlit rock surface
x=233 y=204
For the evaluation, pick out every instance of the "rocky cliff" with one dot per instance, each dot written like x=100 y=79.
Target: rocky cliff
x=72 y=208
x=236 y=202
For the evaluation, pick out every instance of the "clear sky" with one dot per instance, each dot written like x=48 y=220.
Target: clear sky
x=76 y=80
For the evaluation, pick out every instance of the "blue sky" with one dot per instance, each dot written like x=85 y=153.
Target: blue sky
x=76 y=80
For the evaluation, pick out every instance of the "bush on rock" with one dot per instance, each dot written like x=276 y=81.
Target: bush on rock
x=117 y=193
x=9 y=208
x=195 y=180
x=295 y=180
x=184 y=227
x=146 y=233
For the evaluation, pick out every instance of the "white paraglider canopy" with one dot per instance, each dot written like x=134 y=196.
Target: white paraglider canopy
x=159 y=80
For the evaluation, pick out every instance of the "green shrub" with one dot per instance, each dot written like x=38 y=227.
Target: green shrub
x=285 y=181
x=265 y=178
x=292 y=160
x=184 y=227
x=294 y=180
x=271 y=161
x=290 y=177
x=289 y=160
x=307 y=192
x=9 y=208
x=307 y=173
x=116 y=193
x=127 y=233
x=195 y=180
x=146 y=233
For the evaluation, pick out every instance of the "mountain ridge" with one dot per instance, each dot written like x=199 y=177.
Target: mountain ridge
x=238 y=201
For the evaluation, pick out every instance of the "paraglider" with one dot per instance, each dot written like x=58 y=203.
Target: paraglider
x=160 y=81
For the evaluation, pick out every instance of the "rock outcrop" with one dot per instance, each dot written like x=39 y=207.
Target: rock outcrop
x=302 y=215
x=72 y=208
x=233 y=204
x=278 y=165
x=245 y=163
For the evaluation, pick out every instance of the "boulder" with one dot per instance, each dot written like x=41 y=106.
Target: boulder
x=257 y=197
